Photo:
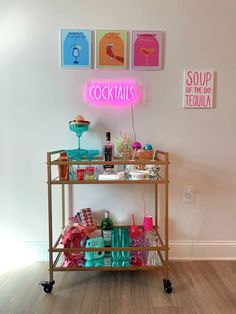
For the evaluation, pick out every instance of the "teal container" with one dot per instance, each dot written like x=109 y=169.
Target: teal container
x=115 y=242
x=125 y=242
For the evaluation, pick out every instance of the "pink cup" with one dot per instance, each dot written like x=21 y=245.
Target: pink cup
x=80 y=174
x=147 y=223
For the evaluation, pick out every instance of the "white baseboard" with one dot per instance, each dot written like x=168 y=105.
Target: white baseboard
x=179 y=250
x=203 y=250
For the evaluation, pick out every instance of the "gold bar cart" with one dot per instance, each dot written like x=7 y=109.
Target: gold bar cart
x=162 y=160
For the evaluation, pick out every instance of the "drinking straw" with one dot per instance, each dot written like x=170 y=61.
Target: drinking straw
x=133 y=154
x=144 y=204
x=133 y=219
x=154 y=154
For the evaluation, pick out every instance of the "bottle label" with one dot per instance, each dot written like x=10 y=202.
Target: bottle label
x=108 y=154
x=107 y=237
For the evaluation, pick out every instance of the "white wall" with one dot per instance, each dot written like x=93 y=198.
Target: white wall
x=38 y=98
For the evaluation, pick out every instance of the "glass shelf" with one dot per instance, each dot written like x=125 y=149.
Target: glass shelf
x=104 y=263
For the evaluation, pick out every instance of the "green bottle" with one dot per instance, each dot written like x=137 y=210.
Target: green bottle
x=106 y=228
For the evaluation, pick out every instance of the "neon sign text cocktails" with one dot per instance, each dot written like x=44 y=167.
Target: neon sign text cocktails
x=113 y=92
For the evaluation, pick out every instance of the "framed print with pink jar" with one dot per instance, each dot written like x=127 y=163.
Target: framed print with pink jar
x=111 y=49
x=146 y=50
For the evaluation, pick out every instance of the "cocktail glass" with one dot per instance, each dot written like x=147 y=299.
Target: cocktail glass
x=147 y=52
x=75 y=54
x=79 y=129
x=79 y=153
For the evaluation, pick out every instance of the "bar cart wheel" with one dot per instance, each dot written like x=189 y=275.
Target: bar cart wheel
x=167 y=286
x=47 y=286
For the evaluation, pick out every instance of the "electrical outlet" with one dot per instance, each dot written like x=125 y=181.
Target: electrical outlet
x=188 y=196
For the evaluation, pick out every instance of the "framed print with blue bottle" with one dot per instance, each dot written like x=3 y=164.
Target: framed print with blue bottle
x=76 y=48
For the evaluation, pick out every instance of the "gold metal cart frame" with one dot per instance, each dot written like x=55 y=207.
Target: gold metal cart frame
x=161 y=159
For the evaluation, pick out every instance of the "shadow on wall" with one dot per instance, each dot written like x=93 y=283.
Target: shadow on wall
x=207 y=179
x=214 y=197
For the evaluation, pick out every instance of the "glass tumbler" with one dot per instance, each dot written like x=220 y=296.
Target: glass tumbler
x=115 y=242
x=125 y=242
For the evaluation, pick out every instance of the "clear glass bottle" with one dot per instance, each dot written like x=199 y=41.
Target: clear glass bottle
x=150 y=240
x=108 y=151
x=106 y=229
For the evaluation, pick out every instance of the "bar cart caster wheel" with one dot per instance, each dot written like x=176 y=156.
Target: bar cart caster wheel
x=47 y=286
x=167 y=286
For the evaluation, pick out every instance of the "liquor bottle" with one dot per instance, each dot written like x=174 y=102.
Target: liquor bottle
x=108 y=151
x=106 y=228
x=151 y=240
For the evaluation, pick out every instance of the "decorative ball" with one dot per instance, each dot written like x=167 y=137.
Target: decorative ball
x=148 y=147
x=136 y=145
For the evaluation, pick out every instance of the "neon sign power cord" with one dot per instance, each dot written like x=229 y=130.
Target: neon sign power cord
x=132 y=120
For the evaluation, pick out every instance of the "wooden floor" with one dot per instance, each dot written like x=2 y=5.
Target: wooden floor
x=198 y=287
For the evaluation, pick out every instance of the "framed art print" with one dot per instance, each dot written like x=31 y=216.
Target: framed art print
x=111 y=49
x=198 y=88
x=146 y=50
x=76 y=48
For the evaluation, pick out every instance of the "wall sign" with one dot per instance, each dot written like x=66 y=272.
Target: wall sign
x=76 y=48
x=111 y=48
x=146 y=50
x=117 y=93
x=198 y=89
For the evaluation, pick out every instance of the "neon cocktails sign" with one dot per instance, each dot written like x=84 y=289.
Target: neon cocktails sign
x=113 y=92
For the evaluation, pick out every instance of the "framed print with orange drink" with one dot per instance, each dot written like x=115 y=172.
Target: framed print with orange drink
x=146 y=50
x=111 y=49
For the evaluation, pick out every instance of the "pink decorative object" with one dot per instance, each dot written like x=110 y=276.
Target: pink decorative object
x=133 y=230
x=74 y=237
x=136 y=145
x=79 y=120
x=87 y=219
x=136 y=257
x=147 y=223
